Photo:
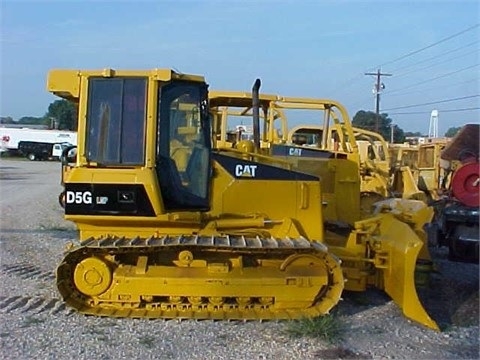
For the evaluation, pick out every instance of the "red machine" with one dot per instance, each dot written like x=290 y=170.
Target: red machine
x=466 y=184
x=457 y=216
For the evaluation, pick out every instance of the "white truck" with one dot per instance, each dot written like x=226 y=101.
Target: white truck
x=10 y=137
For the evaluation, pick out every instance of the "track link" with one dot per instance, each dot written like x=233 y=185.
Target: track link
x=200 y=277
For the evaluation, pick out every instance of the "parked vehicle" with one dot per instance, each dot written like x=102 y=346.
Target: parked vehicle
x=35 y=150
x=11 y=137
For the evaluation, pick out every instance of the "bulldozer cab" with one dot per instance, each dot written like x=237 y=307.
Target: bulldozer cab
x=144 y=119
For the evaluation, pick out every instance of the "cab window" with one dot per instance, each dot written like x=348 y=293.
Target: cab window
x=116 y=121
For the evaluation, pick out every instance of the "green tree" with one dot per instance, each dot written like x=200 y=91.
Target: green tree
x=367 y=120
x=32 y=120
x=6 y=120
x=398 y=135
x=451 y=132
x=414 y=134
x=64 y=113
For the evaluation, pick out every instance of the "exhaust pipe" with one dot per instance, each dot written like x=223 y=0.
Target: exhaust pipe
x=256 y=113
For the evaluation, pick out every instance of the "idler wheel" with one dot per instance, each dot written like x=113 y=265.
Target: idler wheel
x=92 y=276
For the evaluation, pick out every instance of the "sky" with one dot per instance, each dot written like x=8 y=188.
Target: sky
x=319 y=49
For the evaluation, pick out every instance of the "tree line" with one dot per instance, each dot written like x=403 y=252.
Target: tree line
x=62 y=115
x=367 y=120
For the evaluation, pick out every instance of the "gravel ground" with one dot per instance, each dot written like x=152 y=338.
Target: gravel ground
x=36 y=324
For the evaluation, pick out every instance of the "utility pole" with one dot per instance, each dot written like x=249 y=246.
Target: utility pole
x=379 y=86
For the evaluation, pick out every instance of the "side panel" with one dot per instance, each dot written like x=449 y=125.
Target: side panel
x=339 y=178
x=247 y=188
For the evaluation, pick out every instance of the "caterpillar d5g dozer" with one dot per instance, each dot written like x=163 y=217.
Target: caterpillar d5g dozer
x=171 y=227
x=380 y=249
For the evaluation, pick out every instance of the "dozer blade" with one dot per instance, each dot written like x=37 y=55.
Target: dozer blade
x=399 y=276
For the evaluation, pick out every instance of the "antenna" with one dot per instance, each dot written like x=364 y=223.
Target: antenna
x=433 y=127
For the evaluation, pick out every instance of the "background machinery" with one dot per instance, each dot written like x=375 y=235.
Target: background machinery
x=378 y=178
x=173 y=227
x=457 y=207
x=333 y=156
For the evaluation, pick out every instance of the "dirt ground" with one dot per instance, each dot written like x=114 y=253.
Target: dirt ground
x=36 y=324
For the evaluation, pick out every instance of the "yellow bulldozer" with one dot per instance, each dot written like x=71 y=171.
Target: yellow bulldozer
x=428 y=174
x=173 y=226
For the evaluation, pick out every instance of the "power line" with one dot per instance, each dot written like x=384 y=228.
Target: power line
x=430 y=88
x=355 y=78
x=435 y=64
x=433 y=102
x=435 y=78
x=435 y=57
x=358 y=76
x=430 y=46
x=428 y=112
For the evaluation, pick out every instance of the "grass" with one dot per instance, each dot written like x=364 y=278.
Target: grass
x=99 y=334
x=29 y=321
x=108 y=323
x=327 y=327
x=147 y=341
x=94 y=330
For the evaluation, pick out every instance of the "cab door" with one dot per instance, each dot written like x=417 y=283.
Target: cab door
x=183 y=146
